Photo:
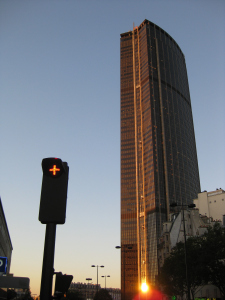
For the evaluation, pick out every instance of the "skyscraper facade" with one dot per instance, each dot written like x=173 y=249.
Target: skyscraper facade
x=158 y=151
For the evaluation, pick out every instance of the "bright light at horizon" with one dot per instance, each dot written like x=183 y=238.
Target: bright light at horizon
x=144 y=287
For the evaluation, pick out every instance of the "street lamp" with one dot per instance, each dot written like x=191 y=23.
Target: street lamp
x=105 y=279
x=192 y=205
x=88 y=279
x=93 y=266
x=123 y=252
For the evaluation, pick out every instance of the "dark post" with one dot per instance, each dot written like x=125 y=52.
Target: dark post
x=48 y=262
x=52 y=211
x=185 y=254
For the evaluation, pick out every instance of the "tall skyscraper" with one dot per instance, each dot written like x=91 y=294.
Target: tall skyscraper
x=158 y=151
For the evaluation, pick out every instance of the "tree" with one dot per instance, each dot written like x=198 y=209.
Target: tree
x=213 y=243
x=74 y=295
x=11 y=294
x=103 y=294
x=25 y=296
x=172 y=276
x=205 y=263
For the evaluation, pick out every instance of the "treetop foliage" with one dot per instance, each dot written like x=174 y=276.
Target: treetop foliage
x=103 y=294
x=205 y=263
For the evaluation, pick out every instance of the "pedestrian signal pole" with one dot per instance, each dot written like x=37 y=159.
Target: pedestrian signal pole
x=52 y=211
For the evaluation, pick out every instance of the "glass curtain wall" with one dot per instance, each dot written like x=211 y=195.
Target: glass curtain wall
x=158 y=151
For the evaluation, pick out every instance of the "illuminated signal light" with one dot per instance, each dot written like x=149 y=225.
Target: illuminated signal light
x=54 y=169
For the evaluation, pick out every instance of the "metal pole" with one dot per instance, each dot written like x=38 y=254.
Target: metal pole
x=97 y=280
x=185 y=254
x=124 y=294
x=48 y=262
x=88 y=292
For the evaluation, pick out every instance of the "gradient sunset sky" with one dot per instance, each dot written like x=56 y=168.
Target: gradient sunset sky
x=60 y=97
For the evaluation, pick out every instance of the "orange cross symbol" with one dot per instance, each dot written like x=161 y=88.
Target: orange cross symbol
x=54 y=170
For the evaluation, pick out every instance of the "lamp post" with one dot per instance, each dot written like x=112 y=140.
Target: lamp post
x=123 y=252
x=105 y=279
x=88 y=279
x=185 y=245
x=123 y=296
x=93 y=266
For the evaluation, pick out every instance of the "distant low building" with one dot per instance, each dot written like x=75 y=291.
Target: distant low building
x=88 y=290
x=114 y=293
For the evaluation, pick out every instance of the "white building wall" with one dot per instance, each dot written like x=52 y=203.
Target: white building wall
x=211 y=204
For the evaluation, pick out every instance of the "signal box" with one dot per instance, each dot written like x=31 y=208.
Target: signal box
x=54 y=191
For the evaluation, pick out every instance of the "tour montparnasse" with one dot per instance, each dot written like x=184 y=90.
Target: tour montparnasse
x=158 y=151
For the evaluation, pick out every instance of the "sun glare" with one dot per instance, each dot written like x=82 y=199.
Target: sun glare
x=144 y=287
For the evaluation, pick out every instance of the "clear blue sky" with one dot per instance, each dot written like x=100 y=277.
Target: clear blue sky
x=60 y=96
